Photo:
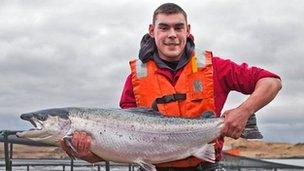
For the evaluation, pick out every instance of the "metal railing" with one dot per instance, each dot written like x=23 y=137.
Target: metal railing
x=229 y=162
x=62 y=164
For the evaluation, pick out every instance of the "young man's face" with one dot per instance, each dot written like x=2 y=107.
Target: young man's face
x=170 y=33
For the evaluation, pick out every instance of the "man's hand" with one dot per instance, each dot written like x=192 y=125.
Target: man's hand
x=81 y=141
x=235 y=119
x=235 y=122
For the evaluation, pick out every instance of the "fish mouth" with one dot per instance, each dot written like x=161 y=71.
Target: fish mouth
x=34 y=124
x=32 y=132
x=33 y=120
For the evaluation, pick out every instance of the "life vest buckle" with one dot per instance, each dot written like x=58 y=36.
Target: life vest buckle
x=168 y=99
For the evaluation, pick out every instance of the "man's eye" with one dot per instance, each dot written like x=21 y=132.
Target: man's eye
x=163 y=28
x=178 y=28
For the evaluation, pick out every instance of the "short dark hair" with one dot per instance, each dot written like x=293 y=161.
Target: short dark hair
x=168 y=8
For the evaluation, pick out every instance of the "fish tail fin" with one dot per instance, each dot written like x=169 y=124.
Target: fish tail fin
x=206 y=153
x=251 y=130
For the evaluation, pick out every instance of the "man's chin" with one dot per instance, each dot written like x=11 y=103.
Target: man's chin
x=174 y=53
x=170 y=55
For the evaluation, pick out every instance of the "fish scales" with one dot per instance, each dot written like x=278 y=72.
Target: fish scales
x=148 y=135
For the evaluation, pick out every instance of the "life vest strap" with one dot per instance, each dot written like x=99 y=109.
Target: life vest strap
x=168 y=99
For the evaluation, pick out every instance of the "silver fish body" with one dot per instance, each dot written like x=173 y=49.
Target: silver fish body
x=128 y=136
x=134 y=135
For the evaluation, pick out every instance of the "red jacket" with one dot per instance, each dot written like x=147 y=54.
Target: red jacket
x=227 y=76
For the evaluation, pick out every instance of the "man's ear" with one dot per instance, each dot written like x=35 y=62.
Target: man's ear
x=151 y=30
x=188 y=29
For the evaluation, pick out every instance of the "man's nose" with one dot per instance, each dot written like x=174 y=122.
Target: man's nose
x=172 y=33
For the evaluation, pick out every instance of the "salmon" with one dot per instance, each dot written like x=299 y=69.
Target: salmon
x=136 y=135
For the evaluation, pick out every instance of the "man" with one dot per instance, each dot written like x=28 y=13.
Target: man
x=171 y=78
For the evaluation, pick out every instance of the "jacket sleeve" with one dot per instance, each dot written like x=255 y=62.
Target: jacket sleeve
x=127 y=99
x=241 y=78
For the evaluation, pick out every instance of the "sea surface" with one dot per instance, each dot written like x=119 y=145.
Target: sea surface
x=59 y=165
x=294 y=162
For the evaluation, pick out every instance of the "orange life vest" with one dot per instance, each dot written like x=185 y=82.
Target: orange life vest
x=195 y=84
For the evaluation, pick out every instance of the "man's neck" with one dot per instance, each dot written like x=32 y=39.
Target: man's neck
x=171 y=64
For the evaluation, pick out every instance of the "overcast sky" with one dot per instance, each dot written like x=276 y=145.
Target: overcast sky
x=63 y=53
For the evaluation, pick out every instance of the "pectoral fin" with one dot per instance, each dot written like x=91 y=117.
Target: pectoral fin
x=146 y=166
x=206 y=153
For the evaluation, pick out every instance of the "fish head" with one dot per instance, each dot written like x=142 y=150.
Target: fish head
x=50 y=125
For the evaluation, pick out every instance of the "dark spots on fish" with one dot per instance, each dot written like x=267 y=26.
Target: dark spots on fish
x=132 y=128
x=120 y=136
x=154 y=139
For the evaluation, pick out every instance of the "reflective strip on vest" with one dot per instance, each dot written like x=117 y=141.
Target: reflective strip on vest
x=198 y=63
x=197 y=86
x=141 y=69
x=201 y=61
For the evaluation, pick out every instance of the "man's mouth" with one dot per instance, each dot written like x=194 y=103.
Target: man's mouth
x=171 y=43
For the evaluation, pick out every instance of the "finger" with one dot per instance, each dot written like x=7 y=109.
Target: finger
x=230 y=133
x=82 y=142
x=77 y=141
x=88 y=143
x=235 y=134
x=82 y=135
x=225 y=129
x=75 y=138
x=223 y=132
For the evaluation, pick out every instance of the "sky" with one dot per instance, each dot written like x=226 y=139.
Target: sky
x=65 y=53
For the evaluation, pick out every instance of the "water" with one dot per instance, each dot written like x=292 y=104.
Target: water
x=294 y=162
x=79 y=165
